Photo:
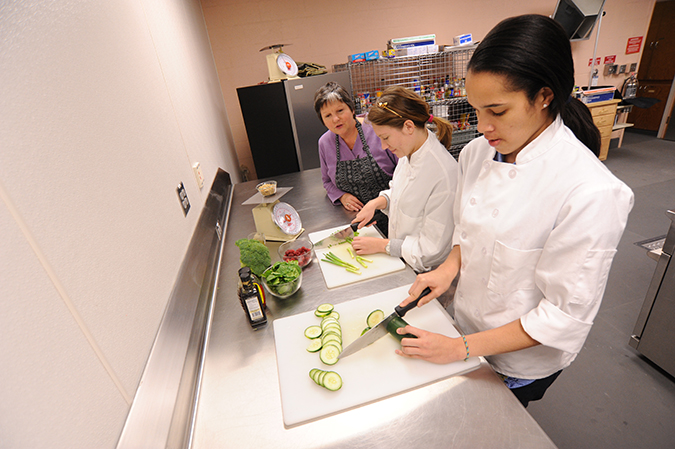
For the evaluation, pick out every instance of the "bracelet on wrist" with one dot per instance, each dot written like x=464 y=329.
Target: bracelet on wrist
x=466 y=346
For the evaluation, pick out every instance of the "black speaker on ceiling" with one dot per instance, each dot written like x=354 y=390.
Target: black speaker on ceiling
x=577 y=17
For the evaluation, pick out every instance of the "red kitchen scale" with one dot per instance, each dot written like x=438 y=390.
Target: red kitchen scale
x=277 y=220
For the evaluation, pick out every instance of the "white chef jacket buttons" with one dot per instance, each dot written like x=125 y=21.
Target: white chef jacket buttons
x=495 y=213
x=463 y=235
x=512 y=173
x=484 y=251
x=472 y=201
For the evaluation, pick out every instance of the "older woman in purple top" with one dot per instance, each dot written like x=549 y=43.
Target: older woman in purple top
x=354 y=167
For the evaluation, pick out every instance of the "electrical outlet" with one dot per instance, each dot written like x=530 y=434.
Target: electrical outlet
x=183 y=198
x=633 y=67
x=622 y=68
x=198 y=174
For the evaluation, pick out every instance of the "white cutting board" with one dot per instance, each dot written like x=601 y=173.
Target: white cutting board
x=336 y=276
x=373 y=373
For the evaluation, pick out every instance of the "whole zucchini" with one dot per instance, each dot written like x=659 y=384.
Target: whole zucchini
x=394 y=324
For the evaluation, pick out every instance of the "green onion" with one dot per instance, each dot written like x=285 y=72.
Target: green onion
x=332 y=258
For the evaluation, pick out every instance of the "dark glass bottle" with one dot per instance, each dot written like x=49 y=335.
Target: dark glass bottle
x=251 y=299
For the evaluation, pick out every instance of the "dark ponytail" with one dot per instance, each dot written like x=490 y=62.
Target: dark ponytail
x=533 y=52
x=578 y=118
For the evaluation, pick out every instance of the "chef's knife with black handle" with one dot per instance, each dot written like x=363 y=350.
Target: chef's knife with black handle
x=380 y=330
x=339 y=236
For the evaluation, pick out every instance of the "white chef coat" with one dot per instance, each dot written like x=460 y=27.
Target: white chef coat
x=420 y=205
x=537 y=239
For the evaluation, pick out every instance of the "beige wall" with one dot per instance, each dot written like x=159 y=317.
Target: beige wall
x=104 y=107
x=326 y=32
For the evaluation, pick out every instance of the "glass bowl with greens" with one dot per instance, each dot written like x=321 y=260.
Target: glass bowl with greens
x=283 y=279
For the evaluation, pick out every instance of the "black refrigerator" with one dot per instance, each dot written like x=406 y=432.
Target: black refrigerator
x=282 y=127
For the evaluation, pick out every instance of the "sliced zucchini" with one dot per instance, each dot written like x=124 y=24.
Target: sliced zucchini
x=337 y=344
x=329 y=321
x=365 y=330
x=332 y=327
x=329 y=354
x=375 y=317
x=325 y=309
x=332 y=332
x=332 y=381
x=313 y=332
x=333 y=314
x=320 y=314
x=319 y=377
x=315 y=345
x=331 y=337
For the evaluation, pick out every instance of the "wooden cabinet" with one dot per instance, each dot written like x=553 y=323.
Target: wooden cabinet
x=603 y=113
x=649 y=118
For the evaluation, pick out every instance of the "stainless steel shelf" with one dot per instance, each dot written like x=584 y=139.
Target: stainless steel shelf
x=437 y=77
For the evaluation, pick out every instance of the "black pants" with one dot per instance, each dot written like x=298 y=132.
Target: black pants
x=535 y=390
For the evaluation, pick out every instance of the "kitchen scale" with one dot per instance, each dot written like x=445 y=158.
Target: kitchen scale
x=280 y=66
x=276 y=220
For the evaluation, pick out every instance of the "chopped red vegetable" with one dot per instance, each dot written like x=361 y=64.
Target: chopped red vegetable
x=302 y=255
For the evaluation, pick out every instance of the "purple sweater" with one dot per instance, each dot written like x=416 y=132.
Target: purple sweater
x=384 y=158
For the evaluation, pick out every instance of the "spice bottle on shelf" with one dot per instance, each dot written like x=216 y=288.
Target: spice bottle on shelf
x=251 y=298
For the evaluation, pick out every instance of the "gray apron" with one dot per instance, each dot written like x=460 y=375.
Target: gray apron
x=363 y=178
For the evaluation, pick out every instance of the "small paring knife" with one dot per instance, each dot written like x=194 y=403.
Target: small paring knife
x=380 y=330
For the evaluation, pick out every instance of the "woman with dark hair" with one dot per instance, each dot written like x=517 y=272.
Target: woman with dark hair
x=354 y=167
x=420 y=198
x=537 y=216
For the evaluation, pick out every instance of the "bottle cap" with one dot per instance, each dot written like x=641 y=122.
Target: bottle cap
x=244 y=272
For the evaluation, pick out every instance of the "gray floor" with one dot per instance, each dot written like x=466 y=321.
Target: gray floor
x=612 y=397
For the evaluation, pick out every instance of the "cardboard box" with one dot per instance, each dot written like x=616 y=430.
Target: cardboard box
x=414 y=51
x=371 y=55
x=412 y=41
x=596 y=95
x=357 y=57
x=463 y=39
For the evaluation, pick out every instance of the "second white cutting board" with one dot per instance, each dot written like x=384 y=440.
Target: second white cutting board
x=336 y=276
x=373 y=373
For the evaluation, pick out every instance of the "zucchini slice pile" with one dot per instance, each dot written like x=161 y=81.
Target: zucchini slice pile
x=326 y=339
x=327 y=379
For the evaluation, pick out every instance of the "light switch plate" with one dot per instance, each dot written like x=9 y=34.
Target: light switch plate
x=183 y=198
x=198 y=174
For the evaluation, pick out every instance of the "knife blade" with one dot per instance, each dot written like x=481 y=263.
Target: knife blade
x=380 y=330
x=337 y=236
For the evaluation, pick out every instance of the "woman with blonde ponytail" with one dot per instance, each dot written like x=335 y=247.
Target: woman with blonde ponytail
x=419 y=201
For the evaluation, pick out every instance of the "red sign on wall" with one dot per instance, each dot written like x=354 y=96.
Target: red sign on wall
x=633 y=45
x=610 y=59
x=597 y=61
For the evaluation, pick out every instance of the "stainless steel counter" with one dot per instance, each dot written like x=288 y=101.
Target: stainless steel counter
x=240 y=405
